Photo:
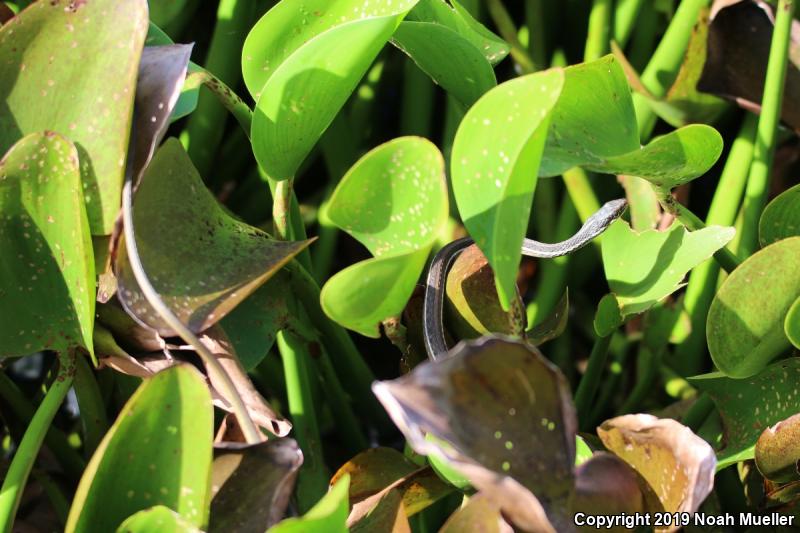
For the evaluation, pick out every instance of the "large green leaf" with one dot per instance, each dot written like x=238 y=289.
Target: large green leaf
x=781 y=217
x=157 y=518
x=495 y=160
x=301 y=62
x=327 y=516
x=792 y=324
x=644 y=268
x=454 y=16
x=71 y=67
x=594 y=126
x=158 y=452
x=749 y=406
x=448 y=58
x=47 y=275
x=199 y=258
x=393 y=201
x=745 y=327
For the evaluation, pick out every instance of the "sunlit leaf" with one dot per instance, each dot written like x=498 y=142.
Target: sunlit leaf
x=478 y=515
x=677 y=465
x=251 y=485
x=158 y=452
x=71 y=67
x=471 y=305
x=327 y=516
x=501 y=415
x=454 y=16
x=47 y=274
x=157 y=518
x=201 y=260
x=494 y=183
x=745 y=327
x=792 y=323
x=749 y=406
x=781 y=217
x=777 y=451
x=644 y=268
x=393 y=201
x=608 y=316
x=301 y=62
x=449 y=59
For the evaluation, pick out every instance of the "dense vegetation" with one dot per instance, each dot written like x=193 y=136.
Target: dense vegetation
x=285 y=278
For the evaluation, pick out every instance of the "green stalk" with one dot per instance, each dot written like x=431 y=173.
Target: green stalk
x=645 y=38
x=505 y=25
x=25 y=456
x=91 y=406
x=206 y=124
x=599 y=35
x=698 y=412
x=346 y=358
x=587 y=388
x=703 y=279
x=666 y=61
x=758 y=183
x=648 y=363
x=347 y=425
x=281 y=210
x=626 y=16
x=312 y=481
x=55 y=440
x=537 y=37
x=417 y=107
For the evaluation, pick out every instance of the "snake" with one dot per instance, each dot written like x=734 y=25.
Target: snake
x=433 y=304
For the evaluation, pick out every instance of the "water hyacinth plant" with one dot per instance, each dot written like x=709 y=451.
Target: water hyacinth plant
x=398 y=265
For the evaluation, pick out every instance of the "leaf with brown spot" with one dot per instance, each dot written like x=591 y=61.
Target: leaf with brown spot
x=251 y=485
x=739 y=38
x=502 y=415
x=202 y=261
x=71 y=67
x=676 y=465
x=47 y=266
x=605 y=484
x=778 y=451
x=479 y=515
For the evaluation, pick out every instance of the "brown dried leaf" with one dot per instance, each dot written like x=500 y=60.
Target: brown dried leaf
x=388 y=515
x=479 y=515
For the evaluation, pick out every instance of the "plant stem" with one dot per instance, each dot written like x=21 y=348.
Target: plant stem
x=587 y=388
x=25 y=456
x=666 y=60
x=598 y=38
x=537 y=38
x=508 y=31
x=55 y=440
x=581 y=192
x=312 y=481
x=758 y=183
x=625 y=17
x=416 y=112
x=226 y=96
x=281 y=209
x=91 y=406
x=703 y=279
x=346 y=358
x=228 y=389
x=698 y=412
x=206 y=124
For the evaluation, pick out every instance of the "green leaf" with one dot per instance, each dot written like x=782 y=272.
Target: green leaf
x=644 y=268
x=749 y=406
x=71 y=67
x=781 y=217
x=777 y=451
x=792 y=324
x=449 y=59
x=455 y=17
x=202 y=261
x=158 y=452
x=157 y=518
x=301 y=62
x=676 y=465
x=608 y=317
x=745 y=328
x=394 y=202
x=327 y=516
x=494 y=187
x=47 y=275
x=501 y=414
x=252 y=485
x=594 y=126
x=582 y=451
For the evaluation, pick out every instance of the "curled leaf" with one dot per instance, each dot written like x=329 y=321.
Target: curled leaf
x=677 y=465
x=781 y=217
x=200 y=259
x=479 y=515
x=605 y=484
x=777 y=451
